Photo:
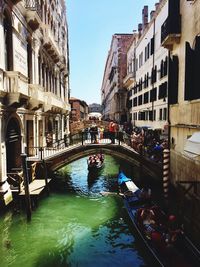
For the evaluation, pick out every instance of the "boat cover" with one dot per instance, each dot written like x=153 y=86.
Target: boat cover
x=122 y=178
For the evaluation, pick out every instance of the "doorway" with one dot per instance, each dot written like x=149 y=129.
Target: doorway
x=13 y=145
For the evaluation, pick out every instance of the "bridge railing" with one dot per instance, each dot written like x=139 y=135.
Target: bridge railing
x=101 y=138
x=88 y=138
x=84 y=138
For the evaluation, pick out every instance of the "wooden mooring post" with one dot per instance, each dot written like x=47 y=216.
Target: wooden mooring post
x=166 y=161
x=26 y=186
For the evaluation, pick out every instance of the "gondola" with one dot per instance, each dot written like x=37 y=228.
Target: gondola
x=165 y=240
x=95 y=162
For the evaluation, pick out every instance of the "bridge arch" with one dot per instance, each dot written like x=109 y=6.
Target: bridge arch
x=119 y=151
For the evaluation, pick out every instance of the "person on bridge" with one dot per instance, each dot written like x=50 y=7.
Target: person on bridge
x=112 y=129
x=93 y=133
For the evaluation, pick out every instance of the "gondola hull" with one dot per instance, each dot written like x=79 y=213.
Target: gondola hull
x=95 y=167
x=181 y=253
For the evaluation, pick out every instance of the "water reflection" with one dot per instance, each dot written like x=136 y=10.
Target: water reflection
x=75 y=226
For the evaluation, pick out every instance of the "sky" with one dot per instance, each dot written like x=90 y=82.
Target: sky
x=91 y=24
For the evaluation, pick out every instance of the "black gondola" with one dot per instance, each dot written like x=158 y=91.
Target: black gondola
x=168 y=244
x=95 y=162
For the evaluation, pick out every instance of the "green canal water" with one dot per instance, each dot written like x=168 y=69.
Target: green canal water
x=75 y=225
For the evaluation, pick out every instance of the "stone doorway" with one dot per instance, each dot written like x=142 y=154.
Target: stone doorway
x=30 y=138
x=13 y=145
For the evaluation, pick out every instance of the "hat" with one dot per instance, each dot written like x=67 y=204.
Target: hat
x=172 y=218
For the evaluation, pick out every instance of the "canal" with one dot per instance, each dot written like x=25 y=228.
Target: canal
x=76 y=225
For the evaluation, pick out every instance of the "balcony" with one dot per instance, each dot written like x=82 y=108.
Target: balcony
x=51 y=45
x=36 y=94
x=16 y=88
x=33 y=14
x=62 y=63
x=54 y=103
x=129 y=79
x=171 y=31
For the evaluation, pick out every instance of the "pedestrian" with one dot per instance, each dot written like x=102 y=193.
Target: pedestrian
x=112 y=130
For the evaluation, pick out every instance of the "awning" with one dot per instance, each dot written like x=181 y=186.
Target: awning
x=192 y=144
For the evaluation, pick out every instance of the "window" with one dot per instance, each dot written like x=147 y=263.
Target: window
x=173 y=80
x=135 y=102
x=148 y=51
x=146 y=97
x=135 y=116
x=139 y=100
x=153 y=75
x=7 y=24
x=160 y=114
x=165 y=67
x=192 y=66
x=162 y=90
x=153 y=94
x=161 y=69
x=165 y=114
x=135 y=89
x=152 y=45
x=154 y=115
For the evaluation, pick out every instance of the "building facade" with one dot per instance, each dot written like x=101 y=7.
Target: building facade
x=34 y=80
x=181 y=35
x=147 y=72
x=113 y=92
x=94 y=107
x=79 y=109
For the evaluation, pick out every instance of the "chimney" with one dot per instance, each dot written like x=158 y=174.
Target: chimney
x=140 y=28
x=156 y=5
x=152 y=14
x=144 y=17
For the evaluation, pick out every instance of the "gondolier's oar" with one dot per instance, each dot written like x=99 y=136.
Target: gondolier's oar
x=109 y=193
x=37 y=188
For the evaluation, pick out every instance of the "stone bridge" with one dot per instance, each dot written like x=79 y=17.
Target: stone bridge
x=121 y=151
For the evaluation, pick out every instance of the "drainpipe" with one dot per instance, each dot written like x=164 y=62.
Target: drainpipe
x=153 y=66
x=166 y=152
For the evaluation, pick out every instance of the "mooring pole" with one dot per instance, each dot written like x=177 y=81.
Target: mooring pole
x=46 y=176
x=26 y=186
x=166 y=157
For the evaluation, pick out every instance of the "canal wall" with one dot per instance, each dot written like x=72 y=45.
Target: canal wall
x=184 y=174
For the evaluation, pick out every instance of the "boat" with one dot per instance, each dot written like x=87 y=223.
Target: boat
x=95 y=162
x=161 y=234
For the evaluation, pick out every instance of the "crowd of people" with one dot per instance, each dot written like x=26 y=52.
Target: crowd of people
x=157 y=227
x=95 y=160
x=145 y=141
x=148 y=143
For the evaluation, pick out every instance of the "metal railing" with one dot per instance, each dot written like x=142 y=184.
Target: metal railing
x=34 y=5
x=95 y=138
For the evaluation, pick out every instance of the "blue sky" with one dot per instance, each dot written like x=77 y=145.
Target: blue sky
x=91 y=26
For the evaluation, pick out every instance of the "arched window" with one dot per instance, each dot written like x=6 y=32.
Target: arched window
x=7 y=24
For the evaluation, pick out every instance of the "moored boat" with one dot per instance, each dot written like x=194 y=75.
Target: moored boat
x=95 y=162
x=165 y=240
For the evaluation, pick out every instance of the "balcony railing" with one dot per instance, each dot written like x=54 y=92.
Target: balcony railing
x=36 y=94
x=51 y=45
x=33 y=14
x=15 y=82
x=54 y=102
x=129 y=78
x=171 y=31
x=33 y=5
x=16 y=87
